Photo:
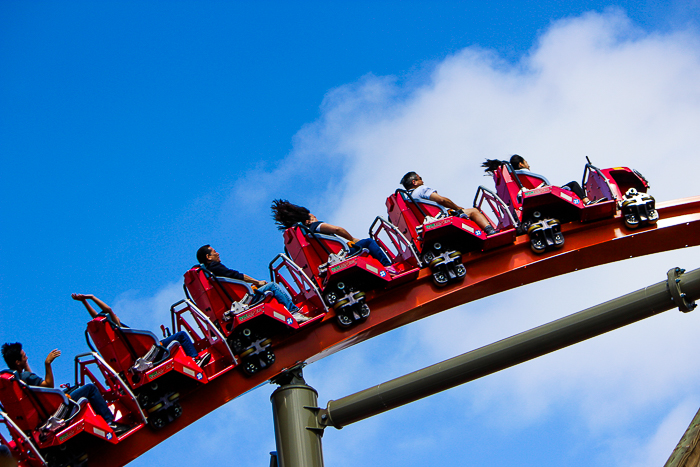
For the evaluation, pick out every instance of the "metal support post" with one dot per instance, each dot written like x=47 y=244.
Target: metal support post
x=295 y=412
x=680 y=290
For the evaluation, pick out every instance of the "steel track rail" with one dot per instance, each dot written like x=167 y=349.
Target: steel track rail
x=587 y=245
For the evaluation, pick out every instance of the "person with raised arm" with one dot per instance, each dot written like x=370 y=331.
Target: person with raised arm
x=182 y=337
x=18 y=361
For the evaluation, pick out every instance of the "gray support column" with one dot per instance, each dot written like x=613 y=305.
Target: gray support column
x=678 y=291
x=297 y=431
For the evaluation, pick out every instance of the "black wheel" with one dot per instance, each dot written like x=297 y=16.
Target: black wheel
x=558 y=240
x=331 y=298
x=344 y=320
x=269 y=357
x=364 y=311
x=428 y=257
x=175 y=411
x=440 y=278
x=631 y=221
x=460 y=270
x=250 y=367
x=157 y=422
x=537 y=246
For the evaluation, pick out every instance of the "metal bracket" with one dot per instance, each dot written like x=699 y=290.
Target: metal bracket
x=674 y=286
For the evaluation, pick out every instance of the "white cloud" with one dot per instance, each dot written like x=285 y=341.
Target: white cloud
x=593 y=86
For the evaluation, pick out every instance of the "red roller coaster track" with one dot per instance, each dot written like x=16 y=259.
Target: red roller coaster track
x=489 y=273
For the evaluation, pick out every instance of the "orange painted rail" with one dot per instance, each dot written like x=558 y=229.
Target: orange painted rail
x=489 y=273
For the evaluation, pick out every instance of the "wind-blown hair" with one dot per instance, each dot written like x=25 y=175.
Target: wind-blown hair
x=11 y=353
x=491 y=165
x=287 y=214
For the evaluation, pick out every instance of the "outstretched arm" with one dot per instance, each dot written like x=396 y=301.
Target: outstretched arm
x=48 y=379
x=103 y=306
x=339 y=231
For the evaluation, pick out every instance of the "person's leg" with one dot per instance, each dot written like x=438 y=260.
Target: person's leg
x=578 y=191
x=280 y=295
x=90 y=392
x=375 y=250
x=184 y=339
x=480 y=219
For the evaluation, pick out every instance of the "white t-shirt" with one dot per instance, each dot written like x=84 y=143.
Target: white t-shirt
x=422 y=192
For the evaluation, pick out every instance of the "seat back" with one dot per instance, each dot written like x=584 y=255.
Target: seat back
x=311 y=250
x=508 y=187
x=624 y=178
x=408 y=213
x=530 y=180
x=120 y=347
x=28 y=406
x=214 y=296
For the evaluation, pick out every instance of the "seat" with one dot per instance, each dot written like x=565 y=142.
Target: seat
x=125 y=349
x=34 y=408
x=530 y=180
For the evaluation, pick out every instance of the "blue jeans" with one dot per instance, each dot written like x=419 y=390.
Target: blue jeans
x=280 y=295
x=92 y=394
x=184 y=339
x=374 y=250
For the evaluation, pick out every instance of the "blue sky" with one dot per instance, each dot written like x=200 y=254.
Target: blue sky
x=131 y=133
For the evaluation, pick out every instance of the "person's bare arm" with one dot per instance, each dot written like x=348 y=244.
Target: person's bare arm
x=48 y=379
x=444 y=201
x=331 y=229
x=255 y=282
x=103 y=306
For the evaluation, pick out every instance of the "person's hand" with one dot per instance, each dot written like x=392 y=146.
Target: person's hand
x=79 y=297
x=53 y=355
x=260 y=283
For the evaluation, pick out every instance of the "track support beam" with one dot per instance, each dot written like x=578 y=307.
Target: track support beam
x=295 y=412
x=680 y=290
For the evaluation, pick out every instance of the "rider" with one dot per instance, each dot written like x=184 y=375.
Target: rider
x=18 y=362
x=287 y=215
x=519 y=163
x=182 y=337
x=208 y=256
x=414 y=185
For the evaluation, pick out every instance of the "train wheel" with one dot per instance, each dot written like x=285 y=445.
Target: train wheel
x=440 y=278
x=250 y=367
x=341 y=304
x=331 y=298
x=460 y=270
x=156 y=407
x=364 y=311
x=157 y=422
x=437 y=261
x=174 y=396
x=265 y=343
x=454 y=254
x=558 y=240
x=247 y=352
x=631 y=221
x=344 y=320
x=175 y=411
x=428 y=257
x=537 y=246
x=269 y=357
